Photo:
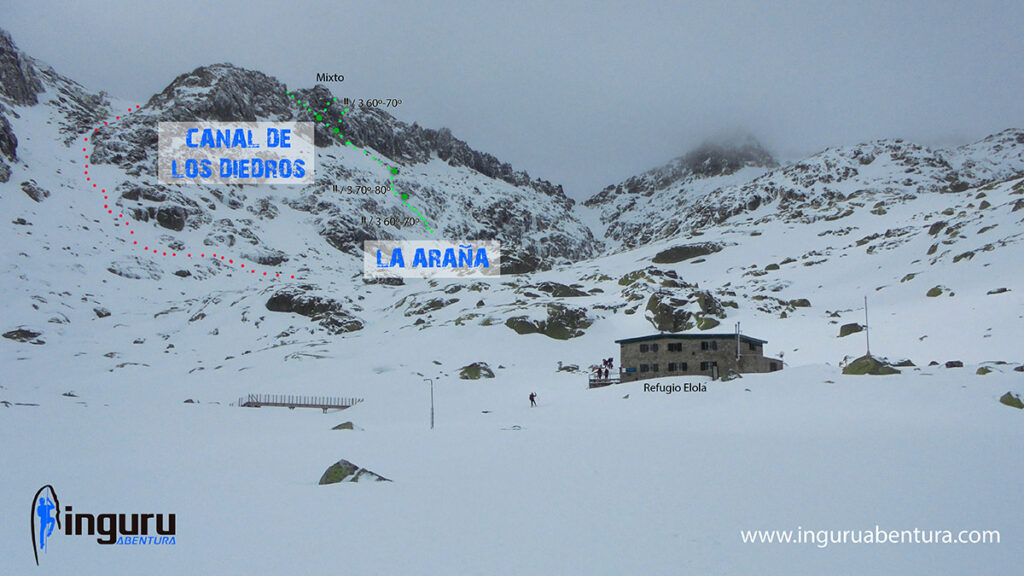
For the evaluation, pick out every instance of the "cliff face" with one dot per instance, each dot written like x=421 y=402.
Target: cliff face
x=19 y=81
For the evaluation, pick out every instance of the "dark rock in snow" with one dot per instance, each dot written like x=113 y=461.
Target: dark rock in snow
x=24 y=335
x=330 y=314
x=1012 y=400
x=8 y=141
x=345 y=471
x=429 y=306
x=172 y=217
x=385 y=281
x=685 y=252
x=870 y=365
x=667 y=313
x=562 y=323
x=34 y=191
x=559 y=290
x=475 y=371
x=851 y=328
x=135 y=268
x=518 y=262
x=347 y=237
x=101 y=312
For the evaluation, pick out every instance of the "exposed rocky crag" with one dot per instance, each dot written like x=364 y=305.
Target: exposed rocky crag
x=468 y=194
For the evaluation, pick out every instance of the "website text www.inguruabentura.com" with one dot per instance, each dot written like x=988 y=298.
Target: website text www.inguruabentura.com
x=824 y=538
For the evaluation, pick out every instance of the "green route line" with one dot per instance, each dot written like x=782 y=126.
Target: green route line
x=392 y=172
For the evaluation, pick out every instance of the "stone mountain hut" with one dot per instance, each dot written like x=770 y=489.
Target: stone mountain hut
x=662 y=355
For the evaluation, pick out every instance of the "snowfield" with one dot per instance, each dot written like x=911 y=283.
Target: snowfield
x=591 y=483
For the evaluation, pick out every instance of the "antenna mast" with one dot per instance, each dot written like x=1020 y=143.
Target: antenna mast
x=867 y=327
x=737 y=346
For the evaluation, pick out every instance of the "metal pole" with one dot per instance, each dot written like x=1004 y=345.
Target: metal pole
x=737 y=346
x=431 y=380
x=867 y=328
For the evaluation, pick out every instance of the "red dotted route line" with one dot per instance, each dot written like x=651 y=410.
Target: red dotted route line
x=128 y=223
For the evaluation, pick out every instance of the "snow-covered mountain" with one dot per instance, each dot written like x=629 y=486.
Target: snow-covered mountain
x=722 y=233
x=467 y=194
x=713 y=184
x=660 y=203
x=132 y=320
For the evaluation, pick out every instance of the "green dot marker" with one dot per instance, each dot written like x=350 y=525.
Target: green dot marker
x=405 y=196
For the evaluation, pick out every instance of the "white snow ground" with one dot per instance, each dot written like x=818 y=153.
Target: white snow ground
x=592 y=484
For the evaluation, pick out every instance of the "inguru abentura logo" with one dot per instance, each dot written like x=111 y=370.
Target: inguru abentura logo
x=111 y=528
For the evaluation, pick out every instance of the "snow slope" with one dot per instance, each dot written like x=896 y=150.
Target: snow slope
x=592 y=483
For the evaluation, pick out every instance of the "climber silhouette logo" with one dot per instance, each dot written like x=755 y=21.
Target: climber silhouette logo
x=45 y=508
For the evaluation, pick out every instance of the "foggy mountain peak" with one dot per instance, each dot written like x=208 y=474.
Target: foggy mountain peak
x=723 y=157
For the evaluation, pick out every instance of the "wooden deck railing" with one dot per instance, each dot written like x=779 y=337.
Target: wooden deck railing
x=325 y=403
x=599 y=382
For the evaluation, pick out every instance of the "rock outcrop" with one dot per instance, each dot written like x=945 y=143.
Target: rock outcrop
x=562 y=323
x=19 y=80
x=345 y=471
x=476 y=371
x=328 y=313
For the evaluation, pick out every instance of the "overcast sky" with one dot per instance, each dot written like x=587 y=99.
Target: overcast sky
x=584 y=94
